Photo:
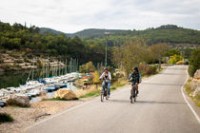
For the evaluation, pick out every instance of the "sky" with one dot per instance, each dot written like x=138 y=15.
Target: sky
x=70 y=16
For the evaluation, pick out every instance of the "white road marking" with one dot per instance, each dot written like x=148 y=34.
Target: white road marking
x=189 y=105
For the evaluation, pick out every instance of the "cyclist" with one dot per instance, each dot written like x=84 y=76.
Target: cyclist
x=106 y=77
x=135 y=78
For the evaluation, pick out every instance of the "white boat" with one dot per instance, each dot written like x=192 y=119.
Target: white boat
x=30 y=85
x=33 y=93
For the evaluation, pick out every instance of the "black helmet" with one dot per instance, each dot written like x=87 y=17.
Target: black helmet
x=136 y=69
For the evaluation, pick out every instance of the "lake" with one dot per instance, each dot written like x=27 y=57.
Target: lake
x=15 y=78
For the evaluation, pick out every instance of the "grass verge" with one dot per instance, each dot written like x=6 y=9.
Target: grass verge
x=189 y=91
x=96 y=92
x=58 y=99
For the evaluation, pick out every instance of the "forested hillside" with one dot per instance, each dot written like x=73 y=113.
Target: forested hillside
x=88 y=45
x=31 y=41
x=170 y=34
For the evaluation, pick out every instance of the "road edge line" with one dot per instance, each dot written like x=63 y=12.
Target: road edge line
x=189 y=105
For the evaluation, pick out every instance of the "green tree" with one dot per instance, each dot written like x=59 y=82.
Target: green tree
x=131 y=54
x=158 y=51
x=194 y=63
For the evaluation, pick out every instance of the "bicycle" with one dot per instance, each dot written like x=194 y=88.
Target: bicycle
x=133 y=93
x=104 y=91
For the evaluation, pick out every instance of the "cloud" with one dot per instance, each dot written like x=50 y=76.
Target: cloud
x=75 y=15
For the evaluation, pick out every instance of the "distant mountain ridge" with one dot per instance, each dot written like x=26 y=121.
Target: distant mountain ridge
x=44 y=30
x=90 y=33
x=86 y=33
x=165 y=33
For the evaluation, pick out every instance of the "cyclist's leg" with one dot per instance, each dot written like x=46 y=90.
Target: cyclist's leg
x=137 y=90
x=103 y=85
x=108 y=87
x=132 y=85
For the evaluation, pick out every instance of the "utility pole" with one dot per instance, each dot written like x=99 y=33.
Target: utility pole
x=106 y=53
x=106 y=48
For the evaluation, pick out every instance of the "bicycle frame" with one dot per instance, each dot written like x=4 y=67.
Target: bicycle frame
x=104 y=91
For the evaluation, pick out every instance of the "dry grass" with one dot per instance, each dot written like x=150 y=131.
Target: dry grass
x=191 y=89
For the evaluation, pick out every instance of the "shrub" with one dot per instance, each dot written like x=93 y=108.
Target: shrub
x=151 y=70
x=148 y=69
x=175 y=58
x=194 y=62
x=4 y=117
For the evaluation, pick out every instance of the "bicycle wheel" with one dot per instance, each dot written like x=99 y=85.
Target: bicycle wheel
x=131 y=97
x=106 y=94
x=135 y=95
x=102 y=95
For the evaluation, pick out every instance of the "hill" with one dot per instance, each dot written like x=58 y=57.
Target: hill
x=94 y=33
x=33 y=43
x=49 y=30
x=170 y=34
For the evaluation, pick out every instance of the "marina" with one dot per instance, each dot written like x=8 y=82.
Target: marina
x=34 y=88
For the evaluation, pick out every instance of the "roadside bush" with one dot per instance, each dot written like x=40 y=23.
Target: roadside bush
x=148 y=69
x=174 y=59
x=151 y=70
x=194 y=63
x=4 y=117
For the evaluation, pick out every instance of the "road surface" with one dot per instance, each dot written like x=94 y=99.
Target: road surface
x=160 y=108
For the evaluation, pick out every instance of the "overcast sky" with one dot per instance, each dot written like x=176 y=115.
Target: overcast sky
x=74 y=15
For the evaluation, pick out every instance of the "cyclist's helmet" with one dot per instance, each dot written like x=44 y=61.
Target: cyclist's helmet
x=136 y=69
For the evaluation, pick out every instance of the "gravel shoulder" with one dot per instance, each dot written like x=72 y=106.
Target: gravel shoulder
x=25 y=117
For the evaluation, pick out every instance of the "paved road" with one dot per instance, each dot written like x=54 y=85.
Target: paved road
x=160 y=109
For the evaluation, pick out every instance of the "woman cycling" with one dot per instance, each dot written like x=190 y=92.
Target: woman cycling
x=135 y=78
x=106 y=77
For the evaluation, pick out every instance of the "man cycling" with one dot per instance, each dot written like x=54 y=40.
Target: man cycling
x=135 y=78
x=106 y=77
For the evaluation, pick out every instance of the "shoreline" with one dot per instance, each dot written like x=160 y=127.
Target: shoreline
x=25 y=117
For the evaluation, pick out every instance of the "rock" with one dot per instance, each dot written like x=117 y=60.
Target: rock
x=195 y=87
x=22 y=101
x=197 y=74
x=65 y=94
